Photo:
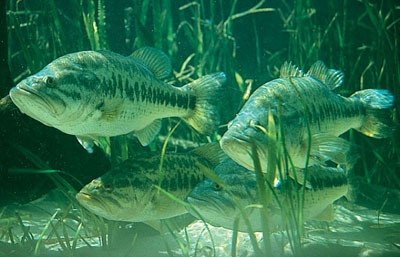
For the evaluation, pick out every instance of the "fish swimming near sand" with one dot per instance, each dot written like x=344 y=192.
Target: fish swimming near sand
x=220 y=204
x=128 y=192
x=309 y=117
x=91 y=94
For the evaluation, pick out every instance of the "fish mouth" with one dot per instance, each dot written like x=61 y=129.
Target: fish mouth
x=99 y=205
x=33 y=103
x=82 y=196
x=91 y=202
x=239 y=148
x=205 y=207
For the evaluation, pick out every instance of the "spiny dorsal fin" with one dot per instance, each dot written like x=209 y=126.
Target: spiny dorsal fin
x=330 y=77
x=289 y=70
x=212 y=152
x=156 y=60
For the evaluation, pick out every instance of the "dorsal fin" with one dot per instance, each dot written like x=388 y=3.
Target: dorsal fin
x=289 y=70
x=156 y=60
x=212 y=152
x=330 y=77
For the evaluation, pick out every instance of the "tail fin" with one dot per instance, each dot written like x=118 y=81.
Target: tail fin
x=205 y=115
x=378 y=121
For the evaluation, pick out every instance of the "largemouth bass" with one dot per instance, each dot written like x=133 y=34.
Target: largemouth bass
x=309 y=116
x=91 y=94
x=220 y=204
x=128 y=192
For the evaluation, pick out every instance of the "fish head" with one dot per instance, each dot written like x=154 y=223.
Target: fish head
x=56 y=95
x=246 y=130
x=219 y=203
x=109 y=196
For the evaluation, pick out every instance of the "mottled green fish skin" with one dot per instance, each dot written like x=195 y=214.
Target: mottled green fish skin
x=301 y=103
x=219 y=205
x=128 y=192
x=100 y=93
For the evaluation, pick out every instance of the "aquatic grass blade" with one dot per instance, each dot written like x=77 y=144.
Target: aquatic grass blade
x=188 y=206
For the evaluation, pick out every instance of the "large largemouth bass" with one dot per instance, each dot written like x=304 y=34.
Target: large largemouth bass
x=98 y=93
x=309 y=115
x=128 y=192
x=220 y=204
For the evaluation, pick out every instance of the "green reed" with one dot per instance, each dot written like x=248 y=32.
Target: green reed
x=68 y=224
x=201 y=38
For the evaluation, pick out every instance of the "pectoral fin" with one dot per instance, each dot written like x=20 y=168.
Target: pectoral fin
x=88 y=143
x=155 y=224
x=326 y=147
x=148 y=134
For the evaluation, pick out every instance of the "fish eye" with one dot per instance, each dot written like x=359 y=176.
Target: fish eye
x=50 y=81
x=107 y=187
x=217 y=187
x=256 y=125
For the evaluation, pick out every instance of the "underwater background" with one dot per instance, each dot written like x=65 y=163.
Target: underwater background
x=248 y=40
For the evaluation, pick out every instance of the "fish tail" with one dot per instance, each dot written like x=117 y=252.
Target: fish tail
x=378 y=121
x=205 y=115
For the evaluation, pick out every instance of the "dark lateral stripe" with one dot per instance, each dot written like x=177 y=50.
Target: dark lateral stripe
x=113 y=86
x=181 y=174
x=70 y=93
x=120 y=86
x=327 y=179
x=137 y=91
x=333 y=111
x=129 y=91
x=145 y=92
x=155 y=95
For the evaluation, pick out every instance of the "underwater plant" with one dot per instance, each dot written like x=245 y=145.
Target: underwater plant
x=248 y=40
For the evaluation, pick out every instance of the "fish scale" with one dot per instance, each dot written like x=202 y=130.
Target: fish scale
x=324 y=109
x=128 y=191
x=222 y=205
x=302 y=101
x=94 y=94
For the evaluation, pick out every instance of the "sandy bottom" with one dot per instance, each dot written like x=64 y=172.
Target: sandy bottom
x=356 y=231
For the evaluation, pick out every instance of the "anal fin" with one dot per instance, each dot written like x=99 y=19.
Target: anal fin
x=147 y=134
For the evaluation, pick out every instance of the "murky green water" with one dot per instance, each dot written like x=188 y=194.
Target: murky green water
x=248 y=41
x=355 y=231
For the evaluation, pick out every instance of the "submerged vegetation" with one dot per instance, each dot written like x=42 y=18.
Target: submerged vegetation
x=248 y=40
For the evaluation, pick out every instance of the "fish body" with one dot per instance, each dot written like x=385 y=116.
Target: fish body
x=128 y=192
x=99 y=93
x=306 y=110
x=219 y=204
